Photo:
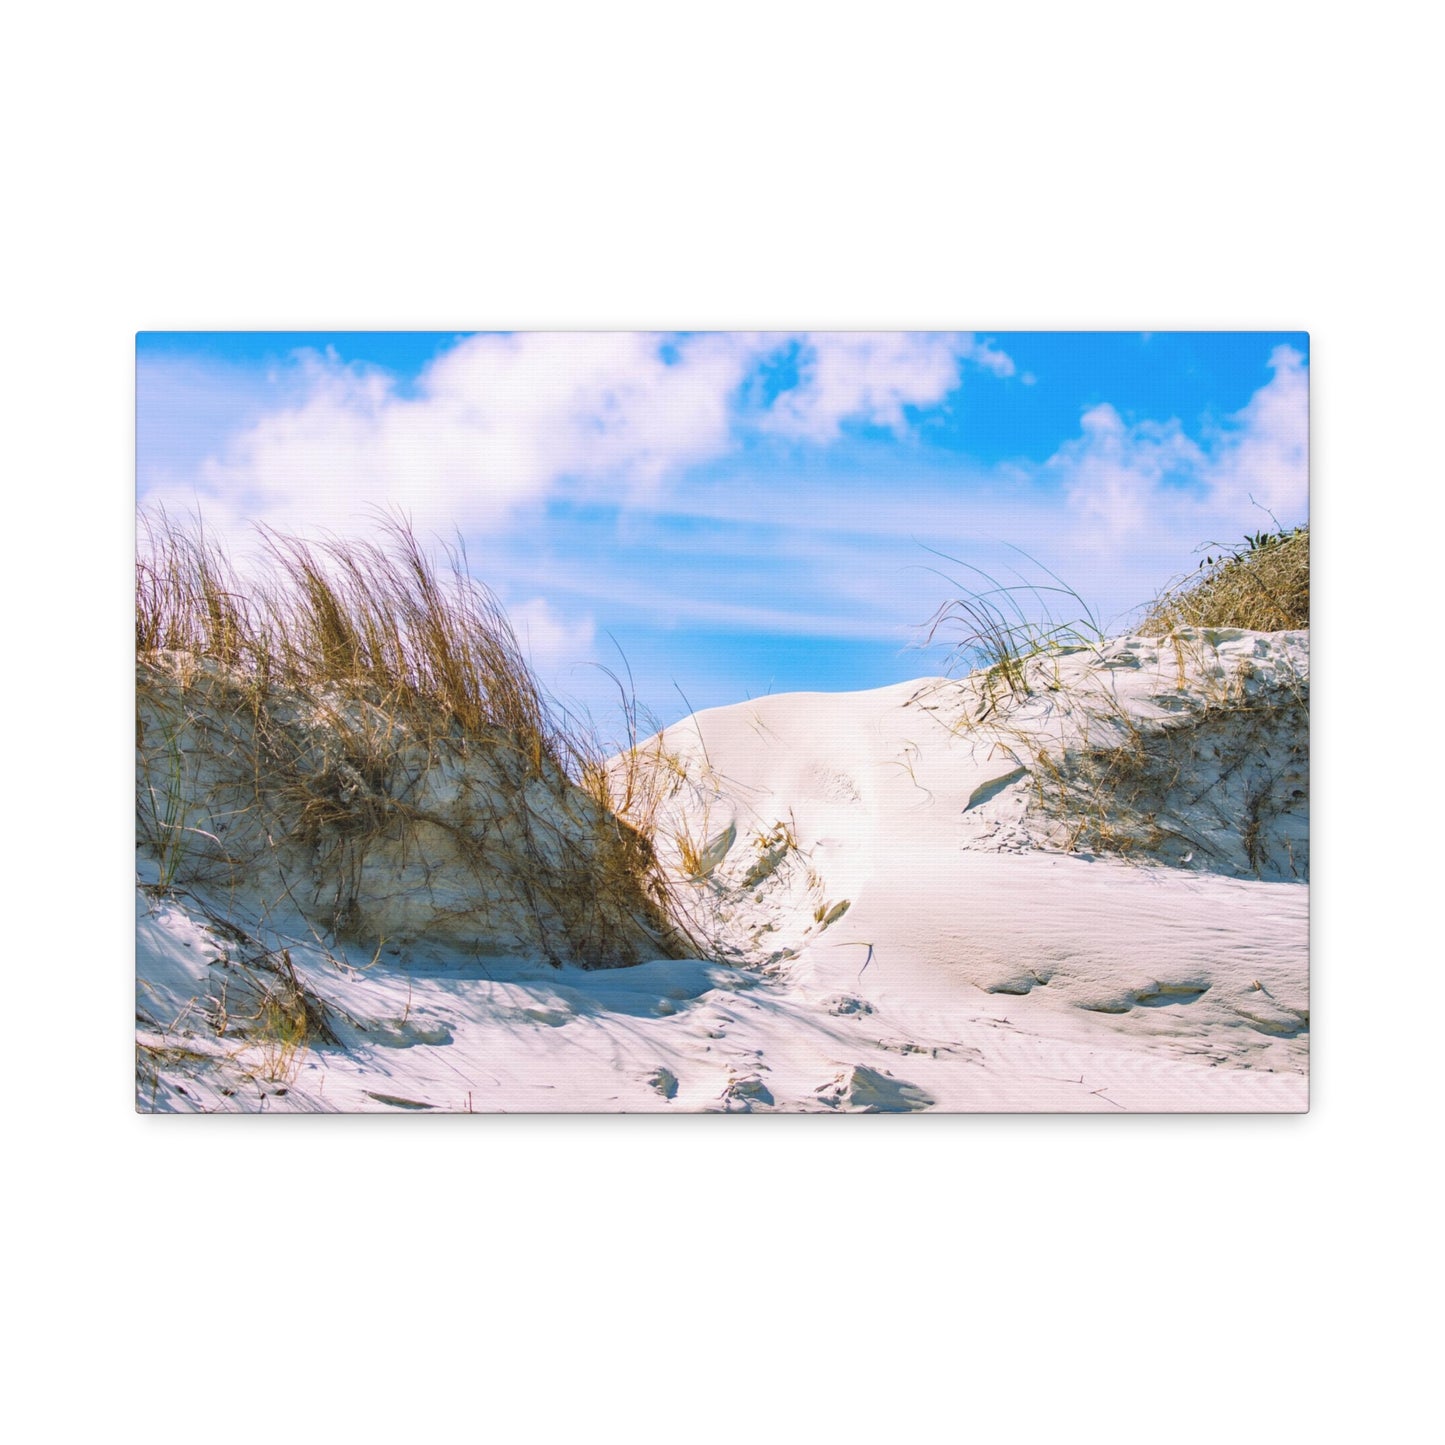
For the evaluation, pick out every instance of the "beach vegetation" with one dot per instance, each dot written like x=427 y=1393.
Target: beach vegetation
x=1002 y=630
x=1261 y=584
x=345 y=699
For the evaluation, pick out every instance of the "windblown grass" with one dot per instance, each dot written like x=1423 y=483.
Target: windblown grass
x=353 y=700
x=379 y=622
x=999 y=628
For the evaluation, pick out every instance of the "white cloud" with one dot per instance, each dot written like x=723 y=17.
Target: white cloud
x=499 y=422
x=548 y=638
x=1113 y=474
x=872 y=377
x=595 y=404
x=1265 y=452
x=1133 y=485
x=986 y=355
x=494 y=423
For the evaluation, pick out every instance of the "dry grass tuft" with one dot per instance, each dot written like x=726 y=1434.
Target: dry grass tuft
x=379 y=623
x=1002 y=628
x=262 y=1002
x=1263 y=586
x=1219 y=780
x=356 y=700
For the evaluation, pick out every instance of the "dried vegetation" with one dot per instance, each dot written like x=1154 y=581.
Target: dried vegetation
x=1212 y=770
x=1263 y=585
x=358 y=730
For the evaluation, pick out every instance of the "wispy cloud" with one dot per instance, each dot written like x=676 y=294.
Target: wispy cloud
x=1116 y=510
x=1263 y=453
x=548 y=637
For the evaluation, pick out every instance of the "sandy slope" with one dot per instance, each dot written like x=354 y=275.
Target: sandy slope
x=897 y=909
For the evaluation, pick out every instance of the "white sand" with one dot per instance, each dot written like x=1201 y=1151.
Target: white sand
x=892 y=914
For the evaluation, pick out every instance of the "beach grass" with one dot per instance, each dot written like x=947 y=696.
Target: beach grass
x=1262 y=585
x=314 y=701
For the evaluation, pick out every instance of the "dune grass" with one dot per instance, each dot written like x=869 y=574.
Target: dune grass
x=376 y=621
x=999 y=628
x=1124 y=787
x=1262 y=585
x=315 y=700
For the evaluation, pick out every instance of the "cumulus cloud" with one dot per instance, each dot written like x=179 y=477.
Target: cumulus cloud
x=872 y=377
x=1127 y=485
x=498 y=422
x=495 y=422
x=1113 y=474
x=1264 y=453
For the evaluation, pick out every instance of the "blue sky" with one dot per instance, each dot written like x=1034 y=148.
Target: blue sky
x=733 y=513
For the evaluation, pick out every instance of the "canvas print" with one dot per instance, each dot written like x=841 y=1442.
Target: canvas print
x=817 y=722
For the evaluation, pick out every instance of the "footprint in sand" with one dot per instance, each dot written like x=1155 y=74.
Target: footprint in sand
x=871 y=1091
x=1150 y=995
x=408 y=1035
x=1019 y=983
x=553 y=1017
x=746 y=1094
x=1159 y=994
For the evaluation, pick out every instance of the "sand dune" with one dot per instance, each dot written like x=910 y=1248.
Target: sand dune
x=1081 y=889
